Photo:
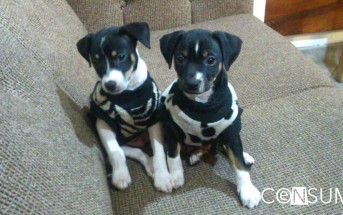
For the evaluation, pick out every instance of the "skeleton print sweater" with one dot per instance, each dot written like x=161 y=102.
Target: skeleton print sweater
x=201 y=124
x=129 y=113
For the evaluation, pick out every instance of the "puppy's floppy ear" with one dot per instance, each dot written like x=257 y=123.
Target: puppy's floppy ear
x=139 y=31
x=230 y=46
x=168 y=43
x=84 y=46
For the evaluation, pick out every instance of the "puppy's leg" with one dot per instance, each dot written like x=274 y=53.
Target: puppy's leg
x=120 y=176
x=162 y=179
x=140 y=156
x=249 y=194
x=175 y=163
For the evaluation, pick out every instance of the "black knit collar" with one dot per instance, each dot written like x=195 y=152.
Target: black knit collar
x=141 y=92
x=218 y=107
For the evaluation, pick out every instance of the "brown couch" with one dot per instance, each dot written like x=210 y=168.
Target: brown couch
x=49 y=159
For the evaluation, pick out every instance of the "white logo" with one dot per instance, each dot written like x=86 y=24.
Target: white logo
x=302 y=196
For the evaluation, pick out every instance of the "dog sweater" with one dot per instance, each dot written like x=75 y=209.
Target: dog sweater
x=129 y=113
x=196 y=123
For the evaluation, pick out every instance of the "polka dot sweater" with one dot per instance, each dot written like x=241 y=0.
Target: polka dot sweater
x=198 y=123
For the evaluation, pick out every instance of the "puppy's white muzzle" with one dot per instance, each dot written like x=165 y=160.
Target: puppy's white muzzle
x=117 y=77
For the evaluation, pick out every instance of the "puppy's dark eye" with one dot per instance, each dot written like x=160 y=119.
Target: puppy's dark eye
x=121 y=57
x=210 y=61
x=180 y=59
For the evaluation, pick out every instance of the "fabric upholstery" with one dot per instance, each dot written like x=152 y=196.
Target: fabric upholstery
x=98 y=14
x=203 y=10
x=160 y=14
x=50 y=163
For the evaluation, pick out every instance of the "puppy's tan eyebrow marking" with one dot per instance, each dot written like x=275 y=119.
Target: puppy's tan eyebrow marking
x=133 y=58
x=205 y=54
x=114 y=53
x=185 y=53
x=220 y=66
x=97 y=56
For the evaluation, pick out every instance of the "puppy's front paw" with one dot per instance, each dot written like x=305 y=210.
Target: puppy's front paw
x=121 y=178
x=178 y=178
x=249 y=194
x=163 y=182
x=249 y=160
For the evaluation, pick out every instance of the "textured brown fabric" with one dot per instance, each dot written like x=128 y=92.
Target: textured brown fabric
x=268 y=67
x=50 y=30
x=160 y=14
x=98 y=14
x=203 y=10
x=49 y=161
x=296 y=141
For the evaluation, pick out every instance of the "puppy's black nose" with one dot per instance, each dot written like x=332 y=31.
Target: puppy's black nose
x=193 y=85
x=111 y=85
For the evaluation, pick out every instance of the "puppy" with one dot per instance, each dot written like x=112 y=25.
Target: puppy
x=201 y=106
x=124 y=101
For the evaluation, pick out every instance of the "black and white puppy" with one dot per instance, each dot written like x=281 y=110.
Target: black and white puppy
x=201 y=106
x=125 y=101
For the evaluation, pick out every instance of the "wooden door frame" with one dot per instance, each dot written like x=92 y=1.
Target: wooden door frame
x=302 y=40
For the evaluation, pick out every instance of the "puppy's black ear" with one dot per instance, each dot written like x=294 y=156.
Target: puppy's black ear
x=168 y=43
x=230 y=46
x=84 y=46
x=139 y=31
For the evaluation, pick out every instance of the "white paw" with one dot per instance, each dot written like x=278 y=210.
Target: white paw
x=249 y=194
x=178 y=178
x=249 y=160
x=163 y=182
x=121 y=178
x=194 y=159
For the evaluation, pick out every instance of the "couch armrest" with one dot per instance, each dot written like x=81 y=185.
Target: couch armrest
x=160 y=14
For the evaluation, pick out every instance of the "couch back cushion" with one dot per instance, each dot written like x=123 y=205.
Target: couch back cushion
x=160 y=14
x=49 y=162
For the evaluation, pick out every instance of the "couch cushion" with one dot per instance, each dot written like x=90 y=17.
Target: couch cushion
x=203 y=10
x=49 y=159
x=268 y=67
x=296 y=142
x=98 y=14
x=50 y=30
x=160 y=14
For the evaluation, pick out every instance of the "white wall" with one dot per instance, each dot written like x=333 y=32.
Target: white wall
x=259 y=9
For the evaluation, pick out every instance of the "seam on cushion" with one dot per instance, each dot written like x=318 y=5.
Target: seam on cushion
x=122 y=9
x=288 y=95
